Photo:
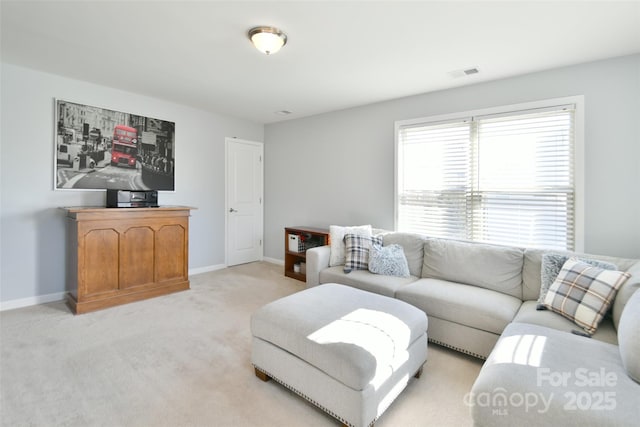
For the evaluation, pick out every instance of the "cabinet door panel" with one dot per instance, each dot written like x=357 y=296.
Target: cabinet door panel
x=136 y=261
x=171 y=262
x=101 y=253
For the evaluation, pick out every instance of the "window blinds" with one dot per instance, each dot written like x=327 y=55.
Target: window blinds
x=505 y=179
x=434 y=175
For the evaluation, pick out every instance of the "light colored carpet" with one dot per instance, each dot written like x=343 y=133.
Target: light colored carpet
x=183 y=360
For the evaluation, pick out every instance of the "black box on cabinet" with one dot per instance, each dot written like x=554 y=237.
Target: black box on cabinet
x=132 y=199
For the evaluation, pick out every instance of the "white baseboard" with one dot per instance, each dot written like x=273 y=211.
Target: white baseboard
x=59 y=296
x=26 y=302
x=273 y=260
x=200 y=270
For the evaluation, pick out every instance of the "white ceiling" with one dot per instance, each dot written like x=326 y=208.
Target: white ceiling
x=339 y=54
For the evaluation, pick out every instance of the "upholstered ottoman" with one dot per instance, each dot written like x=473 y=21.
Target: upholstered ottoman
x=347 y=351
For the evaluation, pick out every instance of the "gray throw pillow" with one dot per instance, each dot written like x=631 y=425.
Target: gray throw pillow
x=551 y=266
x=388 y=260
x=629 y=337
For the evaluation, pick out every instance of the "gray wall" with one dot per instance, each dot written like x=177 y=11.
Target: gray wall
x=32 y=232
x=338 y=168
x=335 y=168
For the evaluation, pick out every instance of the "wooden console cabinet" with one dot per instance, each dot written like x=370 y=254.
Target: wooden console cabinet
x=120 y=255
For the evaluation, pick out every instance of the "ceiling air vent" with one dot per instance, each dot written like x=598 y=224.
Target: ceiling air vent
x=462 y=73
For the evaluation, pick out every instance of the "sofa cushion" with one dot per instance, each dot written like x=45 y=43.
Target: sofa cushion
x=467 y=305
x=413 y=246
x=361 y=279
x=528 y=314
x=629 y=337
x=552 y=264
x=388 y=260
x=583 y=293
x=575 y=381
x=498 y=268
x=357 y=251
x=336 y=236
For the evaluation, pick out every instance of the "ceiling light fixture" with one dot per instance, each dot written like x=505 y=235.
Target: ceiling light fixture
x=267 y=39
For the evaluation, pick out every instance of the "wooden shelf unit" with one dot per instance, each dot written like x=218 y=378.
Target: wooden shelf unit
x=318 y=235
x=121 y=255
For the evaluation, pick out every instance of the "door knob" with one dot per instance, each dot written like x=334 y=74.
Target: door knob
x=232 y=210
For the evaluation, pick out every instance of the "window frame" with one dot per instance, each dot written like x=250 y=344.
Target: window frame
x=579 y=152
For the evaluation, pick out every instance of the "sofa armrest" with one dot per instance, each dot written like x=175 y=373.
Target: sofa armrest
x=625 y=292
x=317 y=260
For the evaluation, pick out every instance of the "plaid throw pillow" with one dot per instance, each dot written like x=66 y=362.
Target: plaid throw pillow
x=583 y=293
x=357 y=251
x=551 y=266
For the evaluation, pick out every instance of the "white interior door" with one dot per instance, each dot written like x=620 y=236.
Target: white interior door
x=244 y=212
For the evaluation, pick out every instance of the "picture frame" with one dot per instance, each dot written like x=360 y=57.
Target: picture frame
x=96 y=148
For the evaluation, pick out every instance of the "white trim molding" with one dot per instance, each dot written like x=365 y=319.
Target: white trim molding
x=61 y=296
x=27 y=302
x=273 y=260
x=200 y=270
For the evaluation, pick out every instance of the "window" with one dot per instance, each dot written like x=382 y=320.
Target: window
x=504 y=176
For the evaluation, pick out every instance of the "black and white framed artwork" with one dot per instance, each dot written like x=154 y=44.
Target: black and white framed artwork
x=97 y=148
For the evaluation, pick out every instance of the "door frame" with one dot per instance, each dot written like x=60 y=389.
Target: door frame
x=227 y=142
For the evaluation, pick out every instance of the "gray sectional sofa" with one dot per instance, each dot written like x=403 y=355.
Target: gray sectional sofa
x=475 y=293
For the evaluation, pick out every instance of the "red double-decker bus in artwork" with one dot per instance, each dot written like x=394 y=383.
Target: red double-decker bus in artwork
x=124 y=147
